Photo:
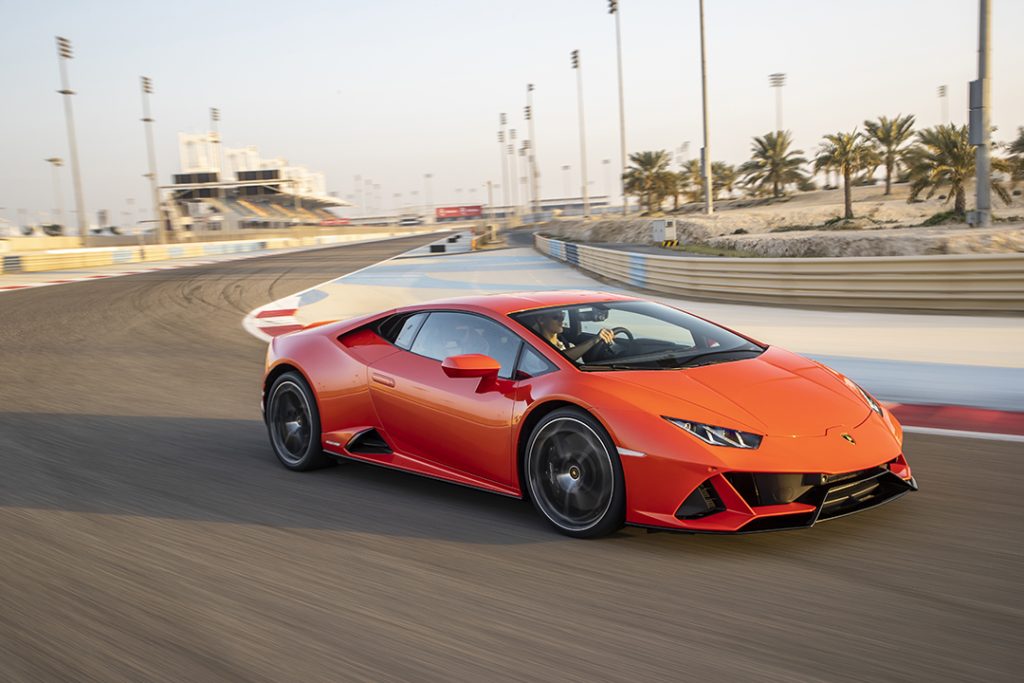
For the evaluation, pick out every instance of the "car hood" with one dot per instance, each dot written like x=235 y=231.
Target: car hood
x=776 y=394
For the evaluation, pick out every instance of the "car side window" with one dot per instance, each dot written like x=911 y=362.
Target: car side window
x=532 y=364
x=447 y=333
x=400 y=330
x=409 y=329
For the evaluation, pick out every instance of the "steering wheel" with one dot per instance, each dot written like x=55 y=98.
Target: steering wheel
x=623 y=331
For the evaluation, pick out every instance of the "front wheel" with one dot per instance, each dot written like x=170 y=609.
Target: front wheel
x=574 y=476
x=293 y=422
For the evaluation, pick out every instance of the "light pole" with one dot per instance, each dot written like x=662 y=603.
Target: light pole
x=503 y=121
x=583 y=135
x=534 y=175
x=214 y=118
x=147 y=90
x=776 y=81
x=980 y=125
x=513 y=170
x=525 y=178
x=944 y=104
x=613 y=8
x=55 y=163
x=529 y=189
x=709 y=205
x=63 y=54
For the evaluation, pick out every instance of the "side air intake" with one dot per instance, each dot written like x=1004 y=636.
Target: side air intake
x=369 y=442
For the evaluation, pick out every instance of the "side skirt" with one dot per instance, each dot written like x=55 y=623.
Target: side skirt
x=488 y=488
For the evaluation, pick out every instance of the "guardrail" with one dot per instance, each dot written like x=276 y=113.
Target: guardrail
x=955 y=283
x=64 y=259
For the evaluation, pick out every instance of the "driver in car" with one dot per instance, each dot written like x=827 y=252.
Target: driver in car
x=549 y=325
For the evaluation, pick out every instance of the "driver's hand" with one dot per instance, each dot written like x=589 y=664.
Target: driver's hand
x=606 y=335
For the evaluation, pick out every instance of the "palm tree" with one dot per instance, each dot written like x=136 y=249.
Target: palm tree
x=692 y=180
x=679 y=182
x=891 y=136
x=724 y=176
x=944 y=156
x=645 y=179
x=1016 y=158
x=773 y=164
x=847 y=153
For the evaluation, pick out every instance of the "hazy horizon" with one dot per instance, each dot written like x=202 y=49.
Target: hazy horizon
x=393 y=90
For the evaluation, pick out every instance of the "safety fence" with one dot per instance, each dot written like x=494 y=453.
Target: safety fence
x=955 y=283
x=65 y=259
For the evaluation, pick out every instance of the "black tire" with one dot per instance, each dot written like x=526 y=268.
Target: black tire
x=293 y=424
x=573 y=474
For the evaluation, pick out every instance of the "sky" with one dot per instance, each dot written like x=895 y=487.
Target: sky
x=393 y=89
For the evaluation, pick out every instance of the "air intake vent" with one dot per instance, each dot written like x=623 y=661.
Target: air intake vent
x=369 y=442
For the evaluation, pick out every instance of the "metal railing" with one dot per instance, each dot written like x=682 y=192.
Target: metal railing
x=957 y=283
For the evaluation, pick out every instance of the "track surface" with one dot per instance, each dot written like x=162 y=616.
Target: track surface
x=147 y=533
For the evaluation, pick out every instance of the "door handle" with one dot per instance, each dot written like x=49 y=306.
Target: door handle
x=382 y=379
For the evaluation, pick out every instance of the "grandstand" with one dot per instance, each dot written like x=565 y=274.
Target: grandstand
x=250 y=193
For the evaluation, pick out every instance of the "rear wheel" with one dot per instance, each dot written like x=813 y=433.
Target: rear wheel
x=574 y=476
x=293 y=422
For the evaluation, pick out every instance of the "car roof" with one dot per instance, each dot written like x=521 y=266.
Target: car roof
x=512 y=302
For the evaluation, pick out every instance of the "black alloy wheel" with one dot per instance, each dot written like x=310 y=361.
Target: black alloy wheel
x=293 y=422
x=574 y=476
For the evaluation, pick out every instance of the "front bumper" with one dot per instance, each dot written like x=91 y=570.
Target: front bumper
x=747 y=502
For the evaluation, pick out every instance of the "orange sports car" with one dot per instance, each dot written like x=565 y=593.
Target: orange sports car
x=602 y=409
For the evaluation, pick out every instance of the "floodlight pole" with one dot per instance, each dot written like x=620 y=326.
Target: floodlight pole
x=982 y=154
x=534 y=175
x=777 y=81
x=502 y=139
x=147 y=90
x=613 y=8
x=583 y=135
x=709 y=203
x=63 y=54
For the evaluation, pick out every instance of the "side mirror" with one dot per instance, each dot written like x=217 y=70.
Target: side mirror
x=470 y=365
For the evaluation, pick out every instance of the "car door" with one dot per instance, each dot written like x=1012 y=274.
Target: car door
x=460 y=423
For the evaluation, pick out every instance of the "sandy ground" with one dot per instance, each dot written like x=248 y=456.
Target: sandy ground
x=882 y=226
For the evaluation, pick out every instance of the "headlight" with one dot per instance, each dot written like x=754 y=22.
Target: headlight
x=718 y=436
x=868 y=398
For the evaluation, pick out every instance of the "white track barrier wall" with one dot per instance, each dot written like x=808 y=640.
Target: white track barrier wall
x=65 y=259
x=967 y=283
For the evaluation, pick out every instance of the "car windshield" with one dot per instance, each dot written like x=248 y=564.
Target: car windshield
x=634 y=335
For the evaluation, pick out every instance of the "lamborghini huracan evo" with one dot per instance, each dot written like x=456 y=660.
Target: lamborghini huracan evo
x=602 y=409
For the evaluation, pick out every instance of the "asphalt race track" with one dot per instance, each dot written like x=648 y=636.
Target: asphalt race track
x=147 y=533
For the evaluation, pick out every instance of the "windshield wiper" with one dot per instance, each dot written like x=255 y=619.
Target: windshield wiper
x=689 y=362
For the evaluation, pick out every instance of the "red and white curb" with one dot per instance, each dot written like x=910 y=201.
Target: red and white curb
x=978 y=423
x=278 y=317
x=274 y=319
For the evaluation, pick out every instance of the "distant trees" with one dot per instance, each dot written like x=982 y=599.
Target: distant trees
x=773 y=164
x=930 y=159
x=891 y=137
x=848 y=154
x=723 y=177
x=1016 y=158
x=943 y=157
x=649 y=179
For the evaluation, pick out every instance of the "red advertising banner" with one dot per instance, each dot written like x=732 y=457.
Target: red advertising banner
x=459 y=211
